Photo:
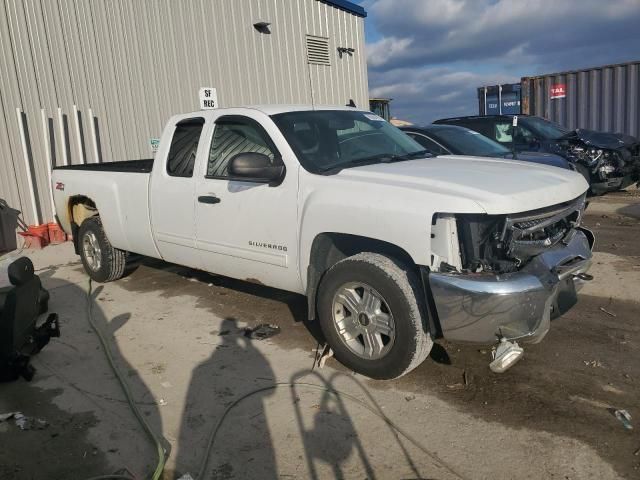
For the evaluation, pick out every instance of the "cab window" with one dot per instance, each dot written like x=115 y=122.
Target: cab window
x=184 y=147
x=233 y=135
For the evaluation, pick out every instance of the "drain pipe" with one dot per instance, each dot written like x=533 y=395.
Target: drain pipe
x=27 y=166
x=47 y=155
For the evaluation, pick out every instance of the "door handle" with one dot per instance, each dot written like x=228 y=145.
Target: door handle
x=209 y=199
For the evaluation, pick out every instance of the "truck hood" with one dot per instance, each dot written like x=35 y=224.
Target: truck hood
x=542 y=158
x=498 y=186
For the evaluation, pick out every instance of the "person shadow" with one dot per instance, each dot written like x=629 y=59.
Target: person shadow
x=235 y=368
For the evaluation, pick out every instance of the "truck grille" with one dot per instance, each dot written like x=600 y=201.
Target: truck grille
x=528 y=234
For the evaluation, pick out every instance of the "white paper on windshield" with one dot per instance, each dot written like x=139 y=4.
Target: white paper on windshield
x=373 y=117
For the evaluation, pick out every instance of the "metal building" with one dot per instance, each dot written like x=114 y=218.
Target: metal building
x=92 y=81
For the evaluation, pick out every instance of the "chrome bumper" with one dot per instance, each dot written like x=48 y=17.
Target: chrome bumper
x=478 y=308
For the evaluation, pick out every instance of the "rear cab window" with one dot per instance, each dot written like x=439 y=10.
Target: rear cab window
x=184 y=147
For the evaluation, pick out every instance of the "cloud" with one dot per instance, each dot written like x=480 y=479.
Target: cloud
x=439 y=31
x=437 y=52
x=421 y=95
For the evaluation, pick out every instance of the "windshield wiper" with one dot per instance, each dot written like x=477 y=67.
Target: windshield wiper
x=373 y=159
x=418 y=154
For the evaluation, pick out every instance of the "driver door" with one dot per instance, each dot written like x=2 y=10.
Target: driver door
x=244 y=229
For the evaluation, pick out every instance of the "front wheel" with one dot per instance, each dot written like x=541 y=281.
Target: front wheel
x=102 y=262
x=372 y=315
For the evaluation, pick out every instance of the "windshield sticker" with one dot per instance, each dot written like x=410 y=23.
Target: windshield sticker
x=474 y=133
x=373 y=117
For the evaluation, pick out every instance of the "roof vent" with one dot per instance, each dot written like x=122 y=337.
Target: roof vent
x=318 y=50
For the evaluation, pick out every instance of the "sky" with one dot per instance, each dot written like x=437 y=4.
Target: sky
x=430 y=56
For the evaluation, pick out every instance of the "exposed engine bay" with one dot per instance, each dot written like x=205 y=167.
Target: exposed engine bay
x=605 y=157
x=502 y=243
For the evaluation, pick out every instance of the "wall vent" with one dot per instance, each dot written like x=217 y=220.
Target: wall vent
x=318 y=50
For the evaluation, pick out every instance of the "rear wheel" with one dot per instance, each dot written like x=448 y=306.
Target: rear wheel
x=102 y=262
x=372 y=315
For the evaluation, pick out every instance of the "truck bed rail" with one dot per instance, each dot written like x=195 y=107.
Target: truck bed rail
x=129 y=166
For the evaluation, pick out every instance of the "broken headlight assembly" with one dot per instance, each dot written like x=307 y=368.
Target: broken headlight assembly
x=505 y=243
x=602 y=162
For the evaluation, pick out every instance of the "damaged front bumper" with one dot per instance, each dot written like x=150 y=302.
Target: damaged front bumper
x=612 y=184
x=481 y=308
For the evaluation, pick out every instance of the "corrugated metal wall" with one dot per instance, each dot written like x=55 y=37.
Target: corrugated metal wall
x=87 y=80
x=603 y=98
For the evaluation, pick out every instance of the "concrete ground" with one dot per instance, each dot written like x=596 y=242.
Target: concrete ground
x=177 y=336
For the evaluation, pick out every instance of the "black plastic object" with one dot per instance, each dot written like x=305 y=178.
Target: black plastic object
x=254 y=167
x=262 y=331
x=20 y=307
x=209 y=199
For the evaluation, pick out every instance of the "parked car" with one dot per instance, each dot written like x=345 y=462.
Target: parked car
x=392 y=249
x=609 y=161
x=453 y=140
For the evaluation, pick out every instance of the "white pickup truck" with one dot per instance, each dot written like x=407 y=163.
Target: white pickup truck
x=393 y=248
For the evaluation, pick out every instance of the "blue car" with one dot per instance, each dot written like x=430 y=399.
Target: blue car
x=452 y=140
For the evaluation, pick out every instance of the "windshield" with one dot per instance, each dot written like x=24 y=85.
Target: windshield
x=544 y=128
x=330 y=140
x=463 y=141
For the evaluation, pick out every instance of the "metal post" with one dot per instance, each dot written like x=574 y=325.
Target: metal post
x=47 y=152
x=485 y=102
x=76 y=117
x=500 y=99
x=27 y=165
x=63 y=140
x=92 y=126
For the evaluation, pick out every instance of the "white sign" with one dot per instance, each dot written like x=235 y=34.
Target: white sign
x=208 y=98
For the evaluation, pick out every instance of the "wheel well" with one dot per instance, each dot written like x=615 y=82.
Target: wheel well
x=329 y=248
x=79 y=209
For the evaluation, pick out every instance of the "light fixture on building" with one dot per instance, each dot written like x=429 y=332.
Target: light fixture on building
x=348 y=50
x=262 y=27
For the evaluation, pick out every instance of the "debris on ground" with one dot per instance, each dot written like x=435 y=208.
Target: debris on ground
x=162 y=402
x=186 y=476
x=455 y=386
x=408 y=398
x=325 y=355
x=637 y=452
x=624 y=417
x=23 y=422
x=611 y=314
x=262 y=331
x=592 y=363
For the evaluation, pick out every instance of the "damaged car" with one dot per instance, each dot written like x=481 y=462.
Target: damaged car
x=608 y=161
x=453 y=140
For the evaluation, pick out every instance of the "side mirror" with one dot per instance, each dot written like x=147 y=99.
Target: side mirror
x=255 y=167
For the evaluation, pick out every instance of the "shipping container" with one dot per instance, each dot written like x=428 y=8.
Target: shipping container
x=499 y=99
x=605 y=99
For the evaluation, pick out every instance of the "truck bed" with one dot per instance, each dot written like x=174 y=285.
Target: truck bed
x=129 y=166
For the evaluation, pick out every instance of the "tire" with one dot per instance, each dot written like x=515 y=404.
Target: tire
x=104 y=263
x=397 y=289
